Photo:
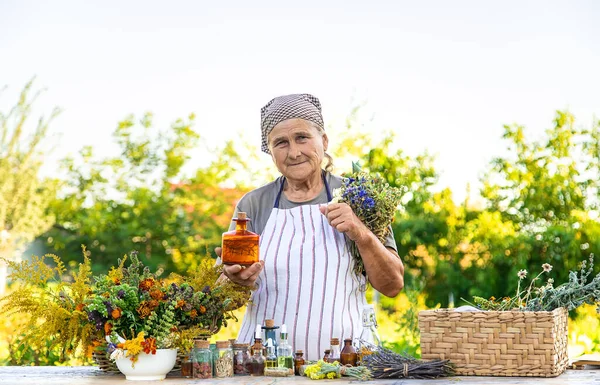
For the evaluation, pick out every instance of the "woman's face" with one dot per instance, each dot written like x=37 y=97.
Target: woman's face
x=297 y=148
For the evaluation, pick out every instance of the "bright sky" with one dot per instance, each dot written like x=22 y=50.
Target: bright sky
x=444 y=75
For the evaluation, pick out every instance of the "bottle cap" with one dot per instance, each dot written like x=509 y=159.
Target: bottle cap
x=201 y=344
x=347 y=339
x=258 y=332
x=299 y=352
x=269 y=323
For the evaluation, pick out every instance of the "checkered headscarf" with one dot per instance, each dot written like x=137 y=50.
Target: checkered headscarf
x=301 y=106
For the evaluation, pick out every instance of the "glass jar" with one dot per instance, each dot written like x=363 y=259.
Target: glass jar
x=186 y=366
x=202 y=362
x=240 y=359
x=335 y=350
x=224 y=360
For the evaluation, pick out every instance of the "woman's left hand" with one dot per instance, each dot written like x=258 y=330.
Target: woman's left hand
x=341 y=217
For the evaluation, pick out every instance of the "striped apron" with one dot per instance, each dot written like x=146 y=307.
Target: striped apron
x=307 y=282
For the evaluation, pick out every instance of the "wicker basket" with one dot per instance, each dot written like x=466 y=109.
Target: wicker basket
x=497 y=343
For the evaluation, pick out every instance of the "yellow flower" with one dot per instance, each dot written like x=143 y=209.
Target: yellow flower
x=134 y=346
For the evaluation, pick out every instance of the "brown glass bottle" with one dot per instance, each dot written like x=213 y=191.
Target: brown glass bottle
x=298 y=362
x=240 y=246
x=348 y=355
x=326 y=355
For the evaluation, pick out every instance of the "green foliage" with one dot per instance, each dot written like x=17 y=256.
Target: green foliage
x=53 y=304
x=140 y=199
x=24 y=195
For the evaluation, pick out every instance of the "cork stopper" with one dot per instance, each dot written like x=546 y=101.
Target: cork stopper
x=241 y=346
x=327 y=351
x=201 y=344
x=347 y=340
x=335 y=341
x=242 y=216
x=223 y=344
x=299 y=351
x=269 y=323
x=232 y=341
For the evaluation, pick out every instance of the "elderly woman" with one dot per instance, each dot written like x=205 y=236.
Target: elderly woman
x=305 y=276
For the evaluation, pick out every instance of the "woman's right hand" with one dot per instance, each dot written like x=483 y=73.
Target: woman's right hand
x=244 y=276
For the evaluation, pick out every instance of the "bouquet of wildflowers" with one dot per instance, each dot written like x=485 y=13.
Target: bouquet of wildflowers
x=124 y=312
x=373 y=201
x=138 y=311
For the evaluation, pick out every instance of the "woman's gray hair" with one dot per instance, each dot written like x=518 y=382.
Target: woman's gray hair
x=329 y=164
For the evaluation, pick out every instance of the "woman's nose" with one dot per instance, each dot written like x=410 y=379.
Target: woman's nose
x=294 y=151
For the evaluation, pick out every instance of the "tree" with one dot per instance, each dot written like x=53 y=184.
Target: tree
x=24 y=195
x=547 y=188
x=141 y=199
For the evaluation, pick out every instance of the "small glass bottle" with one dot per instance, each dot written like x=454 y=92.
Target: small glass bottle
x=258 y=345
x=270 y=332
x=271 y=358
x=186 y=366
x=240 y=246
x=369 y=333
x=224 y=361
x=327 y=355
x=284 y=351
x=348 y=354
x=240 y=359
x=335 y=350
x=258 y=362
x=298 y=361
x=202 y=363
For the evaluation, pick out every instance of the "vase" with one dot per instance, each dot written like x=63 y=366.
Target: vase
x=148 y=366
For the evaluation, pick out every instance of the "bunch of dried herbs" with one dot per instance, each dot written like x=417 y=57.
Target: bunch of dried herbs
x=384 y=363
x=571 y=294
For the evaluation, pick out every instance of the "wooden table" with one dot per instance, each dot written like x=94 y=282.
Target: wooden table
x=79 y=375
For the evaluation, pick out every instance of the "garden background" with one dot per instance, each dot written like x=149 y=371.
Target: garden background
x=168 y=191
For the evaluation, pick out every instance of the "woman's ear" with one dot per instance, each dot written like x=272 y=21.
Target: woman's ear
x=325 y=142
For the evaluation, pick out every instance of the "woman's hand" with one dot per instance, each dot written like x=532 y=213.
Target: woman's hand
x=244 y=276
x=341 y=217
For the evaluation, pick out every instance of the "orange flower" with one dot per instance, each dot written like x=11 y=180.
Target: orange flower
x=91 y=347
x=107 y=327
x=149 y=345
x=146 y=284
x=116 y=281
x=106 y=295
x=180 y=304
x=153 y=304
x=202 y=309
x=193 y=313
x=144 y=310
x=79 y=307
x=116 y=313
x=156 y=294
